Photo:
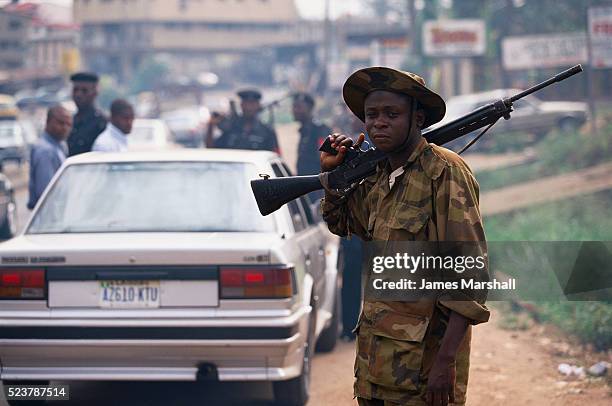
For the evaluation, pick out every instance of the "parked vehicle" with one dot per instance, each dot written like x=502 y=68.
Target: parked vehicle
x=8 y=209
x=13 y=143
x=8 y=107
x=531 y=115
x=188 y=125
x=149 y=134
x=158 y=266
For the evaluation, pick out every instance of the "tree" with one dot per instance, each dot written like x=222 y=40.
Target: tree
x=387 y=9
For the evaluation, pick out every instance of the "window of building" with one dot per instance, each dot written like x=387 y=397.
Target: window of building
x=15 y=25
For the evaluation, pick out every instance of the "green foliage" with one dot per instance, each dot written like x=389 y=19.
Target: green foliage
x=150 y=73
x=108 y=90
x=589 y=321
x=510 y=320
x=387 y=8
x=557 y=153
x=579 y=219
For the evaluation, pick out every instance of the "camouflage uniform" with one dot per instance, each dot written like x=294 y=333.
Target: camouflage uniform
x=436 y=199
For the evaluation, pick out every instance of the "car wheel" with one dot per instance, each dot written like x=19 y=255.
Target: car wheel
x=25 y=402
x=329 y=336
x=9 y=228
x=295 y=392
x=568 y=124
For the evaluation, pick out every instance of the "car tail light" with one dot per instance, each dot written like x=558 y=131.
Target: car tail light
x=22 y=283
x=256 y=283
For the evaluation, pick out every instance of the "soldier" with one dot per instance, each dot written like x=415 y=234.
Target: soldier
x=245 y=131
x=408 y=352
x=89 y=121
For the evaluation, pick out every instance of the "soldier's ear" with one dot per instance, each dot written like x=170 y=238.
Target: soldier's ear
x=419 y=117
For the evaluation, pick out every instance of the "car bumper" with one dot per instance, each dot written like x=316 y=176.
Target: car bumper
x=99 y=350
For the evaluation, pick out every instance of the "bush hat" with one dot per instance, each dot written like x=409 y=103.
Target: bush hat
x=364 y=81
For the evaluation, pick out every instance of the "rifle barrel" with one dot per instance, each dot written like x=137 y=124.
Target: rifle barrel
x=557 y=78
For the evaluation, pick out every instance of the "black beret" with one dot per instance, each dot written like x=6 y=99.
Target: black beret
x=250 y=94
x=304 y=97
x=84 y=77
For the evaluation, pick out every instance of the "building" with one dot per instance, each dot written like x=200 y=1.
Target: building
x=38 y=42
x=117 y=35
x=14 y=29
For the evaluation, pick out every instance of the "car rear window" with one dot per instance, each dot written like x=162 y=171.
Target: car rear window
x=152 y=197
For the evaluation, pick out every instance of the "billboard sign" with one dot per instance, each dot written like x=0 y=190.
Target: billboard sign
x=454 y=38
x=544 y=51
x=600 y=32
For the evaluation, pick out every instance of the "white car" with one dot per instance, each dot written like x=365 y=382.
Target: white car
x=530 y=115
x=158 y=266
x=188 y=125
x=149 y=134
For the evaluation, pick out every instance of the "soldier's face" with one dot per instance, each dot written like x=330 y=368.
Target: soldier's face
x=84 y=93
x=388 y=119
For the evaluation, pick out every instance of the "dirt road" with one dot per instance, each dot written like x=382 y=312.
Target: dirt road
x=507 y=368
x=585 y=181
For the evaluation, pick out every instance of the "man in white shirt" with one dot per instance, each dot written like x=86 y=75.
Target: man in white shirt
x=114 y=137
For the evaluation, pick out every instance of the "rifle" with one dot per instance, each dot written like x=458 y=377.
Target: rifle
x=272 y=194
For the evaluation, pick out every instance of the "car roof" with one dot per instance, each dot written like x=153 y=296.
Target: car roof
x=184 y=155
x=483 y=96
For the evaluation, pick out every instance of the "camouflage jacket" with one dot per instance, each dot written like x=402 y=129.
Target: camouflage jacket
x=436 y=199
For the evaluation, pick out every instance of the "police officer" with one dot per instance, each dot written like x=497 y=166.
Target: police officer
x=89 y=121
x=312 y=134
x=244 y=131
x=410 y=352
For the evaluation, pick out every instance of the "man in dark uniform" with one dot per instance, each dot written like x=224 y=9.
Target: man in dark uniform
x=245 y=131
x=312 y=135
x=89 y=121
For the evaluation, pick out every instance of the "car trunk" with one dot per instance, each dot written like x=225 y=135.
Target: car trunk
x=150 y=272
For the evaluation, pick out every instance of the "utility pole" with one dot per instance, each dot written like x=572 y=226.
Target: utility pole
x=326 y=44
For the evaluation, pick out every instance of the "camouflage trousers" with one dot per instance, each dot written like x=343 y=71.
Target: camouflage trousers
x=380 y=402
x=376 y=402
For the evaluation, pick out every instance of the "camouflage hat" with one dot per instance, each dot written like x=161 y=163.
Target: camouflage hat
x=364 y=81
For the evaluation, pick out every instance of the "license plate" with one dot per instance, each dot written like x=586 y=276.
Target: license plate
x=129 y=294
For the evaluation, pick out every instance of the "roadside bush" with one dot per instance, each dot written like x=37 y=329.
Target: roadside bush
x=584 y=218
x=591 y=322
x=556 y=153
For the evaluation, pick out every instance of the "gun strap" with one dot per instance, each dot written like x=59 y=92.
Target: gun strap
x=472 y=142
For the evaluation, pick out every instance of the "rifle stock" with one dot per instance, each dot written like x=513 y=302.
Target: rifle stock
x=272 y=194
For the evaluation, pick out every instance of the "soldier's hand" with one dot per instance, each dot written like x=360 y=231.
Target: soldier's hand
x=216 y=118
x=340 y=143
x=441 y=384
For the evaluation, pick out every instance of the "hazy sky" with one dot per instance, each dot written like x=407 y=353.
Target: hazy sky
x=308 y=8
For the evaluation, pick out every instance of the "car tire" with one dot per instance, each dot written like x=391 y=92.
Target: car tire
x=295 y=392
x=329 y=336
x=26 y=402
x=568 y=124
x=9 y=227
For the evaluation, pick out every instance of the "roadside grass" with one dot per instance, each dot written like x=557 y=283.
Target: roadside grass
x=581 y=218
x=556 y=153
x=585 y=218
x=590 y=321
